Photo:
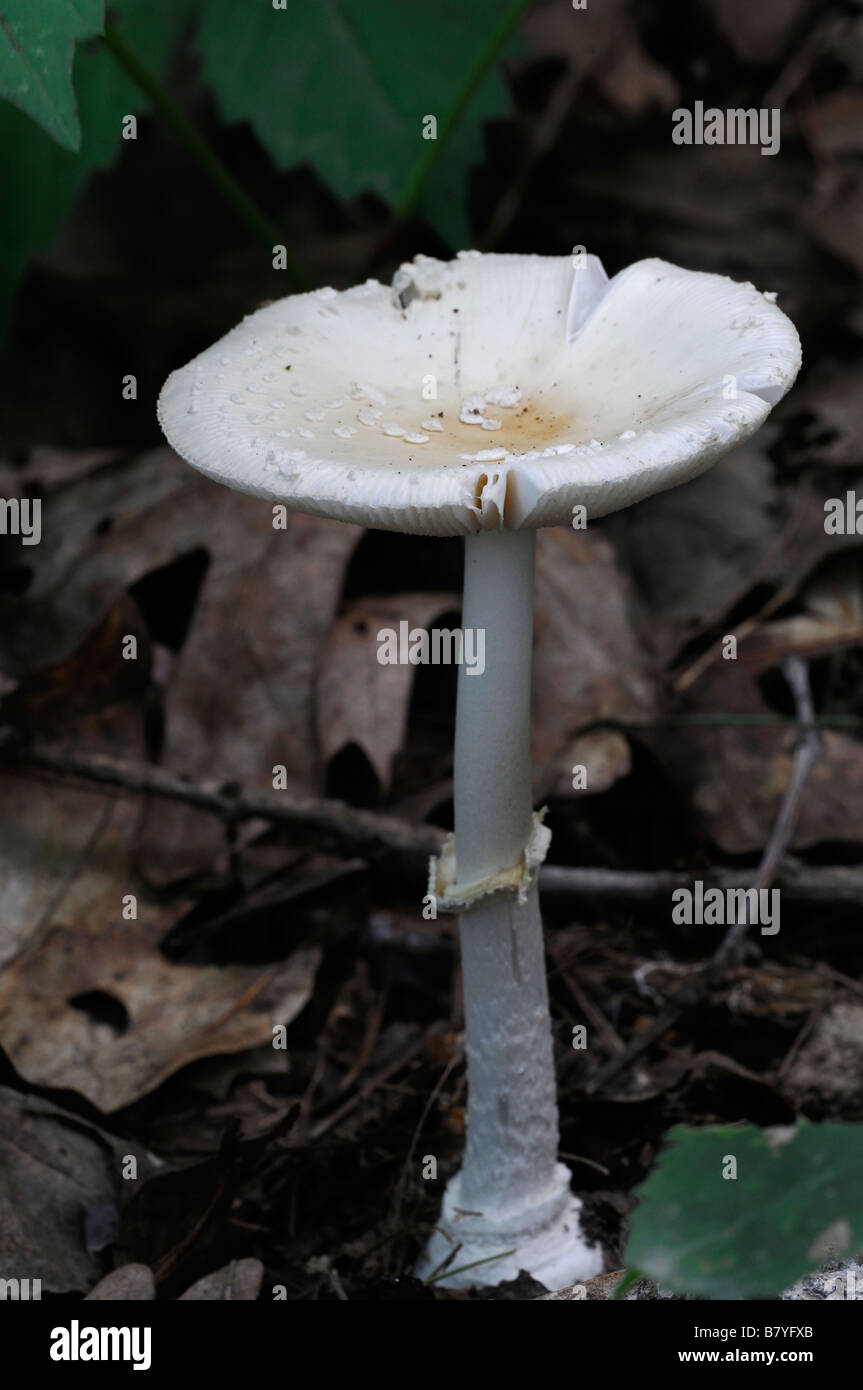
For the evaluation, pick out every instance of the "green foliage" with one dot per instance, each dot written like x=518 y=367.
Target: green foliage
x=37 y=43
x=344 y=85
x=791 y=1206
x=40 y=181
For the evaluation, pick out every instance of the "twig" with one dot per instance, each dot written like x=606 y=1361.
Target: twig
x=694 y=989
x=835 y=884
x=370 y=1085
x=806 y=755
x=743 y=629
x=344 y=824
x=591 y=1011
x=730 y=720
x=370 y=1037
x=802 y=1037
x=376 y=835
x=404 y=1175
x=189 y=136
x=825 y=33
x=845 y=981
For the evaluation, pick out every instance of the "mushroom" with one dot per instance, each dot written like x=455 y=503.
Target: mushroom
x=485 y=397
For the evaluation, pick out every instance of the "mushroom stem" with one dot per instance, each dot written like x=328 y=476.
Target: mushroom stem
x=492 y=737
x=512 y=1130
x=511 y=1194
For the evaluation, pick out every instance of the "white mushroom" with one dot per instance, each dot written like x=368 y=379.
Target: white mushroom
x=604 y=391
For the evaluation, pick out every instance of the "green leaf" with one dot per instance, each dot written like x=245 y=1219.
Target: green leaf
x=344 y=85
x=792 y=1205
x=443 y=203
x=40 y=181
x=37 y=45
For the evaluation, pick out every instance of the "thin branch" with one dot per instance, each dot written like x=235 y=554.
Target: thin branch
x=743 y=629
x=836 y=884
x=591 y=1011
x=335 y=820
x=696 y=988
x=375 y=835
x=731 y=720
x=191 y=138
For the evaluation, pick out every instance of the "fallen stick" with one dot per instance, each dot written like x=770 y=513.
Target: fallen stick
x=361 y=830
x=375 y=834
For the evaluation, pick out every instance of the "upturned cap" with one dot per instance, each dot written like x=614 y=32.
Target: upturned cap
x=484 y=392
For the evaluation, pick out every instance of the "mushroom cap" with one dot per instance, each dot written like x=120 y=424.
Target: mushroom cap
x=484 y=392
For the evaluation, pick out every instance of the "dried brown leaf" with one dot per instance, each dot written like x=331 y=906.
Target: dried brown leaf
x=239 y=1281
x=129 y=1282
x=67 y=868
x=757 y=33
x=736 y=775
x=53 y=1166
x=588 y=661
x=360 y=700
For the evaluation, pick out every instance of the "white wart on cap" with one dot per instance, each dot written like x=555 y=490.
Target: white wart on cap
x=551 y=391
